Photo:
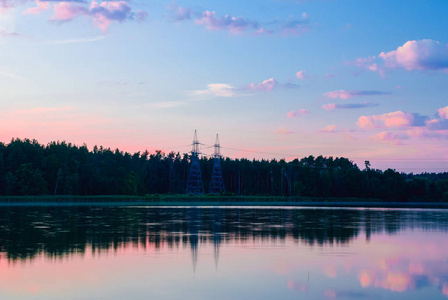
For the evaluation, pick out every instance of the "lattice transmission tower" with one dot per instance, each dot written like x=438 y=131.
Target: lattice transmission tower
x=216 y=182
x=195 y=185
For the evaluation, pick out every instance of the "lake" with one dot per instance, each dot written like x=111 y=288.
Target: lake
x=79 y=252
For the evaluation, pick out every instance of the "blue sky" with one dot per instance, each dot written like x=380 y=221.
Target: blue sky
x=275 y=79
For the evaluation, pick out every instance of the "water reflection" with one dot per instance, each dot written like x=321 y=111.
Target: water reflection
x=58 y=231
x=261 y=253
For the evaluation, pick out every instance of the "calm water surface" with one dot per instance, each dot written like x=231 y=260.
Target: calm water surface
x=222 y=253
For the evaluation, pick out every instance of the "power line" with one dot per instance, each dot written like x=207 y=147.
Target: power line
x=395 y=160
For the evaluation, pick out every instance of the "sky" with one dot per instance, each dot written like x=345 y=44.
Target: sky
x=366 y=80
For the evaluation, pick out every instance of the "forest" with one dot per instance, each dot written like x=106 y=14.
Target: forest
x=60 y=168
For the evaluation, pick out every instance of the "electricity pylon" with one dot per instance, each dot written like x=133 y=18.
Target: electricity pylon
x=216 y=182
x=195 y=185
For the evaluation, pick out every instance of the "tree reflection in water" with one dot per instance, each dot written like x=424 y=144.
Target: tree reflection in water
x=57 y=231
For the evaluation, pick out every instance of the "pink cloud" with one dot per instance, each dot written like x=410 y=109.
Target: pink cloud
x=329 y=106
x=103 y=14
x=417 y=127
x=233 y=24
x=428 y=132
x=329 y=129
x=263 y=31
x=4 y=33
x=216 y=89
x=238 y=25
x=65 y=11
x=297 y=113
x=343 y=94
x=331 y=75
x=181 y=13
x=415 y=132
x=389 y=137
x=393 y=119
x=266 y=85
x=283 y=131
x=108 y=11
x=226 y=90
x=293 y=26
x=301 y=75
x=443 y=112
x=333 y=106
x=362 y=61
x=8 y=3
x=417 y=55
x=365 y=63
x=40 y=7
x=437 y=124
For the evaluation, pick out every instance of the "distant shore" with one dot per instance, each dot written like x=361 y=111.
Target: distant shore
x=211 y=200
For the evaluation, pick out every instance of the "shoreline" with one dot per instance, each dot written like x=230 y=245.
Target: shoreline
x=228 y=201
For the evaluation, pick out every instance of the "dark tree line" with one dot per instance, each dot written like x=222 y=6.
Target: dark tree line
x=60 y=168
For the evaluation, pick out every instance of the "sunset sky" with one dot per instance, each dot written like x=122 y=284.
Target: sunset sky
x=367 y=80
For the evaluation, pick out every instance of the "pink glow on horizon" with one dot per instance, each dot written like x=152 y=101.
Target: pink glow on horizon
x=41 y=110
x=47 y=124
